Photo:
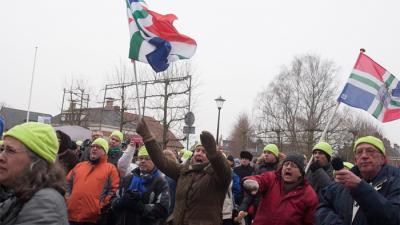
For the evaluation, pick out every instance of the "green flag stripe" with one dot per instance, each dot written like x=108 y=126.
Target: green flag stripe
x=395 y=103
x=365 y=81
x=136 y=42
x=389 y=81
x=378 y=110
x=140 y=14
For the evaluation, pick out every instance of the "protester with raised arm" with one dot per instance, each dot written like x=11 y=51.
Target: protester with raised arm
x=202 y=182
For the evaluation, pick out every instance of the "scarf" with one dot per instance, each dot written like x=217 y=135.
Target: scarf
x=138 y=182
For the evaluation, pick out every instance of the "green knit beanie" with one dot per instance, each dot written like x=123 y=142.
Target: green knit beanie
x=38 y=137
x=102 y=142
x=117 y=134
x=187 y=154
x=273 y=149
x=143 y=151
x=324 y=147
x=372 y=141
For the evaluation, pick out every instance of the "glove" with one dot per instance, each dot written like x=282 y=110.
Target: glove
x=251 y=186
x=129 y=198
x=314 y=166
x=208 y=141
x=143 y=130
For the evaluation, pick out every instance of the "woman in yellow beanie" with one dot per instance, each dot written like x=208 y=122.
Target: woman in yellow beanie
x=32 y=177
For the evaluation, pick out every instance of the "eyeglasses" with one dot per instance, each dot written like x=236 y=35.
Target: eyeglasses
x=367 y=151
x=291 y=164
x=8 y=151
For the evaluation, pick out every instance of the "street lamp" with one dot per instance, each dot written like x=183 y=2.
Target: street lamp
x=220 y=101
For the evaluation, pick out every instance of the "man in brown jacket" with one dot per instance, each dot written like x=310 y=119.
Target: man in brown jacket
x=202 y=181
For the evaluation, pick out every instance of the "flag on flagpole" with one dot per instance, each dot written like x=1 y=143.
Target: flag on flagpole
x=374 y=89
x=154 y=39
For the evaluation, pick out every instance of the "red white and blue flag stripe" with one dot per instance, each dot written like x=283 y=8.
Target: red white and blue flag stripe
x=154 y=39
x=374 y=89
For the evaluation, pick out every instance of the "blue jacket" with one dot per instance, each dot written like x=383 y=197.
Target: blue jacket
x=379 y=203
x=236 y=190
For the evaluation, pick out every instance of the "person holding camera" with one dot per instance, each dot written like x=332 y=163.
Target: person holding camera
x=143 y=195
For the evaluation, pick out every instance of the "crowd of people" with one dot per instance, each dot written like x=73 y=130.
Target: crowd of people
x=46 y=178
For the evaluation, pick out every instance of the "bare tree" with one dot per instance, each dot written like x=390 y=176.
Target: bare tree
x=241 y=137
x=121 y=90
x=168 y=99
x=298 y=103
x=164 y=96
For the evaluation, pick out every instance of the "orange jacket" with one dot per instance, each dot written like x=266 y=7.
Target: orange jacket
x=89 y=188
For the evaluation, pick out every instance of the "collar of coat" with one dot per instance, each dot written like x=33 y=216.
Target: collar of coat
x=206 y=167
x=385 y=172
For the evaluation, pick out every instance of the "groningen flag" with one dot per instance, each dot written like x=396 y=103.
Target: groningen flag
x=374 y=89
x=154 y=40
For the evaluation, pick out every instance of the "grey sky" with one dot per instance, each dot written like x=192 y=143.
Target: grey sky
x=241 y=46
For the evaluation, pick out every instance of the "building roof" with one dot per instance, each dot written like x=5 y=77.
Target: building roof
x=13 y=117
x=111 y=118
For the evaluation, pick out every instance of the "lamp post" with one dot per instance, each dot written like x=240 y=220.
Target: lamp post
x=220 y=101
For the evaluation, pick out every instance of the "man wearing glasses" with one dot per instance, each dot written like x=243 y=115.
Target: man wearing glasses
x=143 y=196
x=286 y=196
x=90 y=185
x=368 y=194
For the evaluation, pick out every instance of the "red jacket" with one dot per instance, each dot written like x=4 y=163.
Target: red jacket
x=89 y=188
x=297 y=207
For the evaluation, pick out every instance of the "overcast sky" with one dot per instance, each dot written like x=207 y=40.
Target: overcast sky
x=241 y=46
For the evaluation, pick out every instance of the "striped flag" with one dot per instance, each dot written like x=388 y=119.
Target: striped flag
x=374 y=89
x=154 y=39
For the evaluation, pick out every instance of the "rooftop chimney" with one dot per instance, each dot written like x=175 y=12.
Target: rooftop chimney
x=109 y=104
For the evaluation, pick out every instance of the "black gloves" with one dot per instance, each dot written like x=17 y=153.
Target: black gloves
x=314 y=166
x=143 y=130
x=132 y=200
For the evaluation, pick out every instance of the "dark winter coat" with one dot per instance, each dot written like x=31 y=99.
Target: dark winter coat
x=379 y=203
x=297 y=207
x=242 y=172
x=320 y=178
x=265 y=167
x=200 y=189
x=155 y=202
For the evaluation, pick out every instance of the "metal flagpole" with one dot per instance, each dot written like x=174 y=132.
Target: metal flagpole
x=137 y=88
x=30 y=91
x=322 y=138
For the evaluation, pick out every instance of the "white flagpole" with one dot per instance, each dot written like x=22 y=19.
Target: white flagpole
x=137 y=88
x=322 y=138
x=30 y=91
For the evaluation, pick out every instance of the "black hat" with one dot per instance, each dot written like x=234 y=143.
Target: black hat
x=296 y=158
x=246 y=155
x=230 y=158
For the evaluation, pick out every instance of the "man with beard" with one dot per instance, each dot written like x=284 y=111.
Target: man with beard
x=321 y=171
x=91 y=185
x=202 y=182
x=143 y=196
x=270 y=159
